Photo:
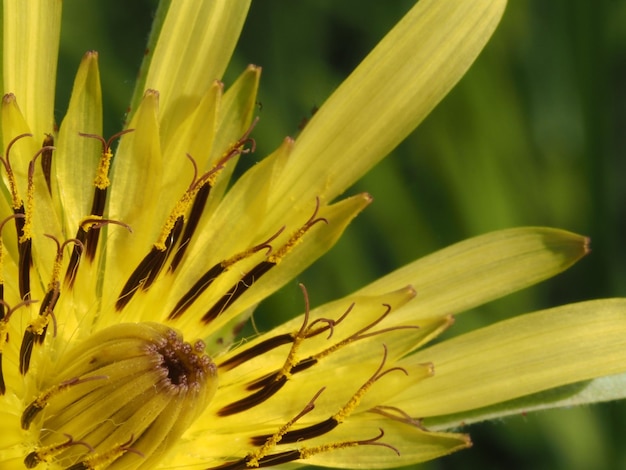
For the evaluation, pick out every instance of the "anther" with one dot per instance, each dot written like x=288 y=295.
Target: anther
x=252 y=276
x=35 y=332
x=101 y=184
x=7 y=311
x=273 y=440
x=42 y=400
x=87 y=225
x=47 y=453
x=207 y=278
x=46 y=160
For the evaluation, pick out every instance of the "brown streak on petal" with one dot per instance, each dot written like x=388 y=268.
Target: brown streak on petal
x=256 y=351
x=149 y=267
x=309 y=432
x=254 y=399
x=198 y=288
x=25 y=263
x=237 y=290
x=193 y=219
x=93 y=235
x=3 y=387
x=46 y=160
x=77 y=251
x=26 y=349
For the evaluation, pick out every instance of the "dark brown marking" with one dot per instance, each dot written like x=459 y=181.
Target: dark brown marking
x=93 y=235
x=30 y=413
x=2 y=304
x=149 y=268
x=46 y=160
x=309 y=432
x=26 y=349
x=253 y=399
x=237 y=290
x=274 y=376
x=3 y=387
x=264 y=462
x=257 y=350
x=193 y=219
x=24 y=254
x=77 y=252
x=198 y=288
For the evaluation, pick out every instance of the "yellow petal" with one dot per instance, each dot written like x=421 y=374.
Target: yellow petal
x=31 y=43
x=484 y=268
x=517 y=357
x=194 y=46
x=389 y=94
x=76 y=158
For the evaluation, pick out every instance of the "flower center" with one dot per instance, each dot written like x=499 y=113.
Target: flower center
x=120 y=399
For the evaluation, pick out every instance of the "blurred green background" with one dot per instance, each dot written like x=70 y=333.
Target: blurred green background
x=535 y=134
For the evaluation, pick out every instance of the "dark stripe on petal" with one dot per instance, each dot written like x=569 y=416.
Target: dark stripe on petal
x=46 y=160
x=254 y=399
x=77 y=251
x=93 y=235
x=308 y=432
x=193 y=219
x=237 y=290
x=149 y=268
x=256 y=351
x=198 y=288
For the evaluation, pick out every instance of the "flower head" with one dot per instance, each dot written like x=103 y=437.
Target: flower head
x=128 y=263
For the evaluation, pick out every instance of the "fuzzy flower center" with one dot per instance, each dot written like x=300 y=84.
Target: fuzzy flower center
x=120 y=398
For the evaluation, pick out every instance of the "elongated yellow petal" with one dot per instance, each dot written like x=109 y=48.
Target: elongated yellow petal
x=76 y=158
x=389 y=94
x=194 y=47
x=521 y=356
x=484 y=268
x=34 y=27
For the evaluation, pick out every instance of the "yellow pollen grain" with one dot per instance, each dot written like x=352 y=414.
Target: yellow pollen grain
x=39 y=323
x=306 y=453
x=293 y=241
x=102 y=176
x=179 y=211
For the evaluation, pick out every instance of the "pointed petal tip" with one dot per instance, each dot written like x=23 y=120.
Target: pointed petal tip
x=8 y=98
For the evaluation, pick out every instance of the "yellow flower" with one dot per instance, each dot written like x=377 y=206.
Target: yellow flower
x=126 y=275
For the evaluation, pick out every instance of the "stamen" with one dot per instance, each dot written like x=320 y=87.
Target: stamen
x=151 y=265
x=46 y=160
x=207 y=278
x=272 y=441
x=102 y=175
x=252 y=276
x=101 y=183
x=197 y=208
x=149 y=268
x=104 y=459
x=303 y=453
x=7 y=311
x=35 y=332
x=42 y=400
x=272 y=383
x=87 y=226
x=332 y=422
x=396 y=414
x=46 y=454
x=15 y=198
x=279 y=340
x=363 y=333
